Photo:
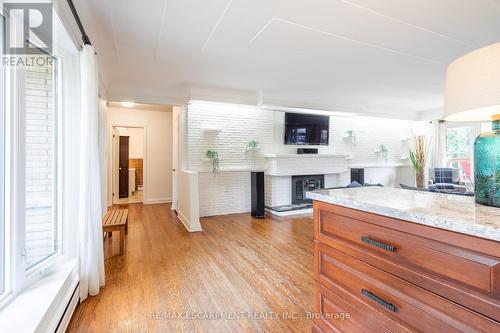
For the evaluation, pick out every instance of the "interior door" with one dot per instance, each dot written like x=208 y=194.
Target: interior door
x=175 y=155
x=123 y=166
x=116 y=165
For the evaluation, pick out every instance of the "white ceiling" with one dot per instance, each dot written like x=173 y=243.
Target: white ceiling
x=377 y=57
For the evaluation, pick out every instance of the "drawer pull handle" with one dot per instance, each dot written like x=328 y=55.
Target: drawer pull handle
x=380 y=301
x=378 y=244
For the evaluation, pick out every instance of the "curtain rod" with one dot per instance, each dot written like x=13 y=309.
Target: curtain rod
x=85 y=37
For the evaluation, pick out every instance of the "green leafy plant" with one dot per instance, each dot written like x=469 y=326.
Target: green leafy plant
x=252 y=146
x=382 y=150
x=214 y=156
x=349 y=134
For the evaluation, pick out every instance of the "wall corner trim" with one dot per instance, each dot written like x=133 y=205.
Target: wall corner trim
x=185 y=221
x=157 y=201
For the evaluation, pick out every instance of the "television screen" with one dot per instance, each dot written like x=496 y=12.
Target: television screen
x=306 y=129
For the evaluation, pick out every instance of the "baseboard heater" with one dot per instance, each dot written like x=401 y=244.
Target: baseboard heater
x=68 y=312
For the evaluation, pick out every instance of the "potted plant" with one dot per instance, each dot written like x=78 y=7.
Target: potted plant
x=252 y=146
x=349 y=134
x=382 y=151
x=418 y=157
x=214 y=156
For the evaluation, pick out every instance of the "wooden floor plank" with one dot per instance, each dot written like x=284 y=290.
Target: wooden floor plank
x=236 y=265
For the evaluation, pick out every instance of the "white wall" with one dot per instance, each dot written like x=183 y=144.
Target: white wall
x=188 y=202
x=226 y=192
x=369 y=132
x=158 y=155
x=136 y=141
x=227 y=128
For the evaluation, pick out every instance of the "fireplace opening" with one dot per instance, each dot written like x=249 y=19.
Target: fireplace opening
x=303 y=184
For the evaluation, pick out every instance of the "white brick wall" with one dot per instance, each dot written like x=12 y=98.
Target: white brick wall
x=337 y=180
x=391 y=177
x=238 y=125
x=39 y=125
x=278 y=190
x=369 y=132
x=229 y=192
x=305 y=165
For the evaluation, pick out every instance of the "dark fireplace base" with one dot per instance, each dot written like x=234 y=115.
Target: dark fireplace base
x=289 y=208
x=303 y=184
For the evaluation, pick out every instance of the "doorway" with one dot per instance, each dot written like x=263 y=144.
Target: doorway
x=128 y=164
x=175 y=156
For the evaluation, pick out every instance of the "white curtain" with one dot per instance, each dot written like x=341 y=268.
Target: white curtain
x=438 y=144
x=90 y=234
x=103 y=152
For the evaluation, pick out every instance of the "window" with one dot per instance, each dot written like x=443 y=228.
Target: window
x=2 y=174
x=30 y=191
x=40 y=163
x=459 y=149
x=459 y=152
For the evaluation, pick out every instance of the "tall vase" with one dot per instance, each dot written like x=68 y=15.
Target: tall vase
x=487 y=166
x=420 y=178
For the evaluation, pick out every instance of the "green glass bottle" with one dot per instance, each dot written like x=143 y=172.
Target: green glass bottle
x=487 y=166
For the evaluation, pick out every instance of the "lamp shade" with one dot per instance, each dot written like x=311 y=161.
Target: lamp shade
x=473 y=86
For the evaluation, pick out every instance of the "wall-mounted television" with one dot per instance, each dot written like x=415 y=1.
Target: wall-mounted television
x=306 y=129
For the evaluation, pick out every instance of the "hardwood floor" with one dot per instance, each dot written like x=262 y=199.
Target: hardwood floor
x=136 y=197
x=260 y=270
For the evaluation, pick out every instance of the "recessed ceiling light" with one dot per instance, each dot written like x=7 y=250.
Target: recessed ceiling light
x=128 y=104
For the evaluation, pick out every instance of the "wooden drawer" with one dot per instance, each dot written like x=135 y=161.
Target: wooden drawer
x=393 y=299
x=459 y=267
x=317 y=329
x=330 y=305
x=454 y=263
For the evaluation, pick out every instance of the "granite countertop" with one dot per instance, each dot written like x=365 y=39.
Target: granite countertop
x=445 y=211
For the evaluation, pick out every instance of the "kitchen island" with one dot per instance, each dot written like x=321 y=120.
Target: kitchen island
x=394 y=260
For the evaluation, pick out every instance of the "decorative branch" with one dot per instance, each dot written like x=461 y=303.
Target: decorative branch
x=419 y=153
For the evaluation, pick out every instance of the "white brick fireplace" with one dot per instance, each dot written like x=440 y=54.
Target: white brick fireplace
x=281 y=168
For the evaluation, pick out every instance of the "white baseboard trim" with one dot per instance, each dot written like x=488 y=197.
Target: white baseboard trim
x=64 y=307
x=157 y=201
x=186 y=223
x=70 y=309
x=225 y=213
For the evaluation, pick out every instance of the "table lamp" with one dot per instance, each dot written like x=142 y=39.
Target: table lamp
x=473 y=94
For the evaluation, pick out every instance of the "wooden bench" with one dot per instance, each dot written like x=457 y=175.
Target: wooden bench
x=116 y=220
